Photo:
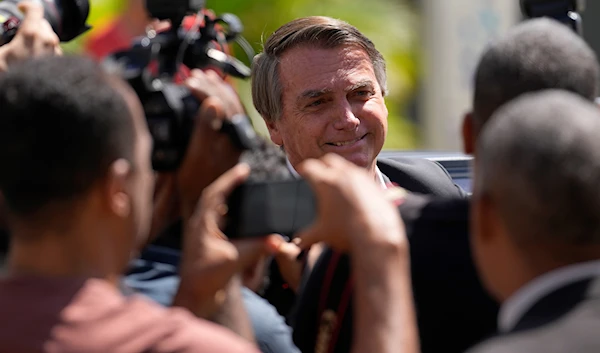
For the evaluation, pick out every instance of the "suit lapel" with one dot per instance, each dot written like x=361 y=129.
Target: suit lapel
x=555 y=305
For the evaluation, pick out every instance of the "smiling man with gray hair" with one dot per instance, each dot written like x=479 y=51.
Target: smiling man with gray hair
x=320 y=84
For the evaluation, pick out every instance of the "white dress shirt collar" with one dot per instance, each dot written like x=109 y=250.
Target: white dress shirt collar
x=378 y=173
x=523 y=299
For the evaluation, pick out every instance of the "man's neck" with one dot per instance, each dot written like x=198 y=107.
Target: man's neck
x=72 y=253
x=522 y=300
x=536 y=262
x=373 y=171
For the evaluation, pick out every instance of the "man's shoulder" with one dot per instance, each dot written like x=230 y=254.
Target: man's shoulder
x=428 y=208
x=419 y=175
x=534 y=341
x=94 y=316
x=169 y=329
x=426 y=216
x=574 y=331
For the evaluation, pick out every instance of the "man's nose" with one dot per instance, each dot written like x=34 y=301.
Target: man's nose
x=346 y=118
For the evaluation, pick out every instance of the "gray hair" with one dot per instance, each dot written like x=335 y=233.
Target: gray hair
x=539 y=161
x=535 y=55
x=317 y=31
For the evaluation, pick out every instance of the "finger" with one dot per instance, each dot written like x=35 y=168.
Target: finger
x=45 y=43
x=309 y=237
x=250 y=250
x=225 y=184
x=227 y=93
x=33 y=11
x=316 y=173
x=160 y=26
x=288 y=251
x=336 y=161
x=208 y=83
x=211 y=111
x=199 y=85
x=311 y=169
x=273 y=242
x=36 y=33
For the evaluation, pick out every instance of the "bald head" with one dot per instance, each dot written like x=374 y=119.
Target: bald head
x=535 y=55
x=539 y=161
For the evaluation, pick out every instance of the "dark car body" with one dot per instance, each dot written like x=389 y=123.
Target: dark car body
x=458 y=165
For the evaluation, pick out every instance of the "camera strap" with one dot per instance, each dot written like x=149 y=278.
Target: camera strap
x=334 y=302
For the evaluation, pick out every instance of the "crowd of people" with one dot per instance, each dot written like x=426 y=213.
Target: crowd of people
x=104 y=254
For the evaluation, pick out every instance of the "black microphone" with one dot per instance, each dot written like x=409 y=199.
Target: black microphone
x=67 y=18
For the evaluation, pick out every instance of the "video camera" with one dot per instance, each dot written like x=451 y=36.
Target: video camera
x=67 y=18
x=153 y=62
x=565 y=11
x=256 y=208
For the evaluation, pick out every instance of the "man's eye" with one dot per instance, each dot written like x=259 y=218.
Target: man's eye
x=363 y=93
x=316 y=103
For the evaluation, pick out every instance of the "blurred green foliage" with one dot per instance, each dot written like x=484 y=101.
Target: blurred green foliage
x=391 y=24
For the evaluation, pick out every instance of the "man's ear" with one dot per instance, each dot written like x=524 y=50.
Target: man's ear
x=274 y=132
x=116 y=188
x=468 y=135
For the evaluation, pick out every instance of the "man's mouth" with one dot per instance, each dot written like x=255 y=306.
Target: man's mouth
x=346 y=143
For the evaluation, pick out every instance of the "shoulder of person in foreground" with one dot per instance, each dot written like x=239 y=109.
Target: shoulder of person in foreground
x=174 y=329
x=190 y=334
x=420 y=175
x=91 y=315
x=526 y=341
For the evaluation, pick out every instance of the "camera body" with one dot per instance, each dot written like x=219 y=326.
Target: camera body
x=256 y=209
x=67 y=18
x=170 y=110
x=153 y=62
x=172 y=9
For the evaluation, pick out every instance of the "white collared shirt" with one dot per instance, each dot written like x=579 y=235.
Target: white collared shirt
x=523 y=299
x=378 y=173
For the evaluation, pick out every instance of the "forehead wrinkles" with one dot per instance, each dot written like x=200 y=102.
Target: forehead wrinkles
x=314 y=68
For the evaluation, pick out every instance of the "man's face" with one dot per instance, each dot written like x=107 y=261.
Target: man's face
x=493 y=253
x=142 y=178
x=332 y=103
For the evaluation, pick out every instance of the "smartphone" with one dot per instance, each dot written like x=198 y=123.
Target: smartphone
x=256 y=209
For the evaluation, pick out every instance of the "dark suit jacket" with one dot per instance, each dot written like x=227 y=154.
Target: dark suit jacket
x=420 y=175
x=453 y=310
x=564 y=321
x=413 y=174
